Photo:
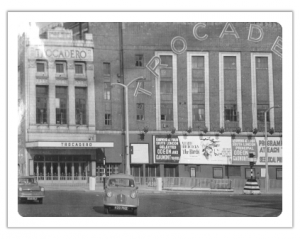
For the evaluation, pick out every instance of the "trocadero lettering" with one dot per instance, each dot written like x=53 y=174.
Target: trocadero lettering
x=76 y=144
x=62 y=53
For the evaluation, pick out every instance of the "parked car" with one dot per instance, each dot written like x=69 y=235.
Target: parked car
x=121 y=193
x=28 y=189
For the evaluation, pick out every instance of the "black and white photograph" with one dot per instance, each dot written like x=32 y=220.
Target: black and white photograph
x=152 y=120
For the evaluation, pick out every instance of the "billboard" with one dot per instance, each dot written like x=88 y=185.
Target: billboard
x=193 y=150
x=216 y=150
x=140 y=153
x=274 y=147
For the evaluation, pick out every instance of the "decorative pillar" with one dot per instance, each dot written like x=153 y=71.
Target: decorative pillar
x=71 y=95
x=51 y=96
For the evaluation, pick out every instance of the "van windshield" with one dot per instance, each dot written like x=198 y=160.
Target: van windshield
x=120 y=182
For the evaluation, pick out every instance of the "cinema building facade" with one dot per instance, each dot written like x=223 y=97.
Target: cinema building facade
x=57 y=134
x=199 y=111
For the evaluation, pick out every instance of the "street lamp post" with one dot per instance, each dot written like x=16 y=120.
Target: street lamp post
x=127 y=168
x=266 y=149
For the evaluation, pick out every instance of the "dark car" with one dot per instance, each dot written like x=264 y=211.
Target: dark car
x=121 y=193
x=28 y=189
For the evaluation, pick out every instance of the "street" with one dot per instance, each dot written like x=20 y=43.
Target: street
x=59 y=203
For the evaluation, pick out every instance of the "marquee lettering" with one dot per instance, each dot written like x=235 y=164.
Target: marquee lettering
x=229 y=32
x=195 y=30
x=277 y=47
x=152 y=69
x=257 y=28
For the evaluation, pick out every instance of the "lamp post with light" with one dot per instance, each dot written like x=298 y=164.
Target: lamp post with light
x=266 y=149
x=127 y=168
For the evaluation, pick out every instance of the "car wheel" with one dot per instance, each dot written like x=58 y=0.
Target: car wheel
x=134 y=211
x=106 y=210
x=19 y=200
x=41 y=201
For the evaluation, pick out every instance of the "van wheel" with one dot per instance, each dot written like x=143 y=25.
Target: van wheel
x=19 y=200
x=40 y=201
x=134 y=211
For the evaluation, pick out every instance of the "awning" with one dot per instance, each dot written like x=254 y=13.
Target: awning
x=74 y=145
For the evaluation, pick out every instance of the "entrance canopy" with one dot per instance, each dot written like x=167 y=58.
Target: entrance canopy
x=74 y=145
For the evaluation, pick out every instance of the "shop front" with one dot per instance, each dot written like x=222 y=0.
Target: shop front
x=64 y=161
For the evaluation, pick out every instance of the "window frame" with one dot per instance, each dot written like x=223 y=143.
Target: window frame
x=142 y=111
x=171 y=114
x=139 y=62
x=46 y=97
x=104 y=69
x=203 y=115
x=214 y=176
x=61 y=74
x=84 y=118
x=107 y=91
x=107 y=121
x=233 y=117
x=42 y=73
x=83 y=74
x=60 y=108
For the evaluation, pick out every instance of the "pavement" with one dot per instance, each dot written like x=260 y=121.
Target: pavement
x=146 y=189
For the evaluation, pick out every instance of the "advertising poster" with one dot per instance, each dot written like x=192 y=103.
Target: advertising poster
x=241 y=147
x=193 y=150
x=167 y=150
x=140 y=153
x=274 y=147
x=205 y=150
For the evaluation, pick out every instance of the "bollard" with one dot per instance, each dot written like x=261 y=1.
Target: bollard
x=159 y=184
x=92 y=183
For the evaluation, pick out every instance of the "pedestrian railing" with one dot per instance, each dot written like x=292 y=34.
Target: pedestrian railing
x=167 y=182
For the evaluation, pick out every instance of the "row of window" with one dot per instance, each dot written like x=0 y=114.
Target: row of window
x=60 y=68
x=61 y=105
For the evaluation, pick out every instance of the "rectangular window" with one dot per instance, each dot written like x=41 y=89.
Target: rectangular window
x=140 y=111
x=198 y=87
x=60 y=68
x=107 y=119
x=166 y=112
x=40 y=67
x=248 y=173
x=139 y=60
x=198 y=62
x=217 y=172
x=79 y=69
x=230 y=112
x=198 y=112
x=262 y=80
x=106 y=68
x=61 y=104
x=41 y=104
x=166 y=90
x=80 y=105
x=107 y=88
x=278 y=173
x=261 y=113
x=166 y=60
